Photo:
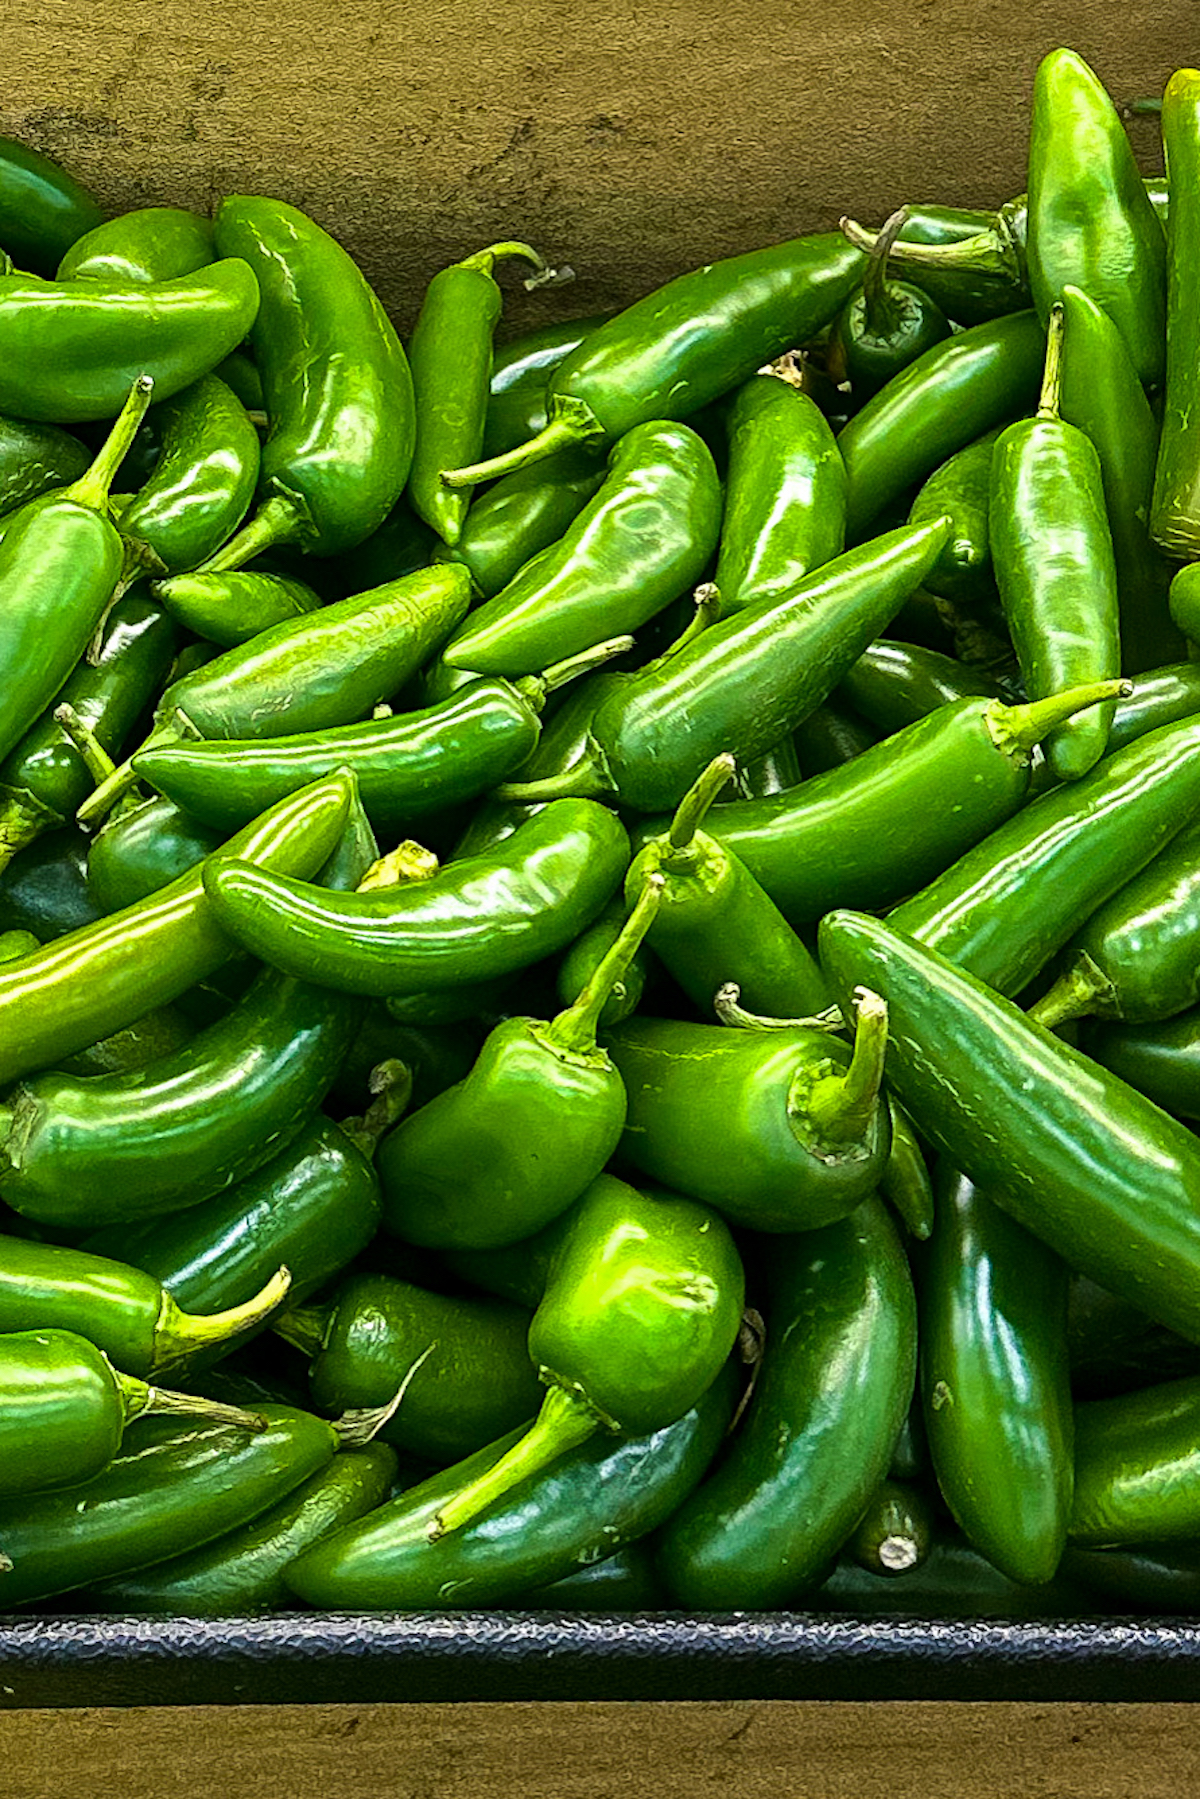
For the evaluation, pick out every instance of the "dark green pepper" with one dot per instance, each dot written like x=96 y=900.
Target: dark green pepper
x=1142 y=1578
x=43 y=209
x=961 y=489
x=1162 y=1060
x=44 y=889
x=1158 y=698
x=896 y=1532
x=140 y=850
x=586 y=954
x=884 y=327
x=153 y=243
x=516 y=408
x=34 y=459
x=1137 y=1466
x=894 y=684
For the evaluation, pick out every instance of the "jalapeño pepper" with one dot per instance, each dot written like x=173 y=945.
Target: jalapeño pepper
x=154 y=243
x=232 y=608
x=43 y=209
x=203 y=480
x=886 y=326
x=1175 y=507
x=35 y=458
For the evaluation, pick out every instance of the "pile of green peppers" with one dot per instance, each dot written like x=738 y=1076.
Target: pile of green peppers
x=600 y=926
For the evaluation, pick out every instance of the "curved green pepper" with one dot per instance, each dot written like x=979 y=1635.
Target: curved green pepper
x=1137 y=1466
x=34 y=459
x=1158 y=698
x=516 y=409
x=1162 y=1060
x=895 y=684
x=232 y=608
x=153 y=243
x=523 y=514
x=836 y=1381
x=43 y=209
x=1175 y=506
x=886 y=326
x=203 y=481
x=961 y=489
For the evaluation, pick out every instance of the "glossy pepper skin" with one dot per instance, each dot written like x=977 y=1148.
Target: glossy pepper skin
x=885 y=326
x=480 y=918
x=43 y=209
x=498 y=1156
x=204 y=478
x=745 y=681
x=1137 y=1476
x=1162 y=1060
x=336 y=383
x=523 y=514
x=141 y=850
x=35 y=458
x=836 y=1382
x=978 y=270
x=941 y=402
x=995 y=1380
x=778 y=1130
x=71 y=349
x=95 y=980
x=595 y=1499
x=44 y=889
x=642 y=540
x=687 y=343
x=785 y=493
x=894 y=684
x=232 y=608
x=1175 y=506
x=168 y=1491
x=961 y=488
x=516 y=409
x=242 y=1574
x=1083 y=1162
x=476 y=1385
x=1159 y=697
x=152 y=243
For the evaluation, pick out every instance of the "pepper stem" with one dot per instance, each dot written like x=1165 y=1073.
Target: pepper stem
x=1048 y=399
x=543 y=275
x=570 y=422
x=839 y=1107
x=882 y=316
x=586 y=778
x=572 y=667
x=695 y=804
x=1016 y=729
x=281 y=519
x=1079 y=991
x=138 y=1399
x=304 y=1327
x=390 y=1084
x=96 y=758
x=100 y=802
x=93 y=486
x=728 y=1011
x=987 y=253
x=565 y=1421
x=179 y=1335
x=575 y=1029
x=363 y=1424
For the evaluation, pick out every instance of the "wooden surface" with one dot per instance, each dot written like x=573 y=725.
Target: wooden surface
x=771 y=1751
x=632 y=139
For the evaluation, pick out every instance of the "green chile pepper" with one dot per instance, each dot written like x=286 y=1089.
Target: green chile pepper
x=971 y=263
x=1162 y=1060
x=684 y=345
x=1091 y=221
x=1184 y=601
x=779 y=1130
x=139 y=851
x=943 y=401
x=168 y=1491
x=591 y=1502
x=400 y=546
x=480 y=918
x=142 y=1042
x=43 y=209
x=953 y=1581
x=995 y=1380
x=785 y=494
x=1052 y=553
x=523 y=514
x=1158 y=698
x=905 y=1182
x=242 y=1575
x=16 y=943
x=1082 y=1161
x=154 y=243
x=643 y=539
x=586 y=954
x=1175 y=506
x=103 y=976
x=239 y=373
x=45 y=776
x=961 y=489
x=477 y=1384
x=34 y=459
x=896 y=1533
x=232 y=608
x=337 y=387
x=450 y=352
x=44 y=889
x=624 y=1582
x=516 y=409
x=203 y=481
x=836 y=1381
x=886 y=326
x=1142 y=1578
x=60 y=560
x=1115 y=1348
x=828 y=738
x=894 y=684
x=70 y=350
x=497 y=1157
x=1137 y=1469
x=715 y=923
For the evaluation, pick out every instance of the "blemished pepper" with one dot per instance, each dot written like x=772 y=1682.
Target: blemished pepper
x=961 y=488
x=523 y=514
x=1091 y=221
x=785 y=493
x=744 y=682
x=64 y=1409
x=779 y=1130
x=1137 y=1468
x=86 y=985
x=450 y=353
x=232 y=608
x=940 y=403
x=167 y=1491
x=203 y=480
x=516 y=409
x=60 y=561
x=43 y=209
x=480 y=918
x=590 y=1502
x=836 y=1382
x=477 y=1384
x=35 y=458
x=872 y=831
x=69 y=350
x=496 y=1158
x=1052 y=554
x=336 y=382
x=644 y=538
x=684 y=345
x=123 y=1311
x=153 y=243
x=1085 y=1163
x=886 y=326
x=1175 y=506
x=641 y=1308
x=715 y=923
x=995 y=1380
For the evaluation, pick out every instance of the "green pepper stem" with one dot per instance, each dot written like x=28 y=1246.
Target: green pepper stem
x=729 y=1011
x=571 y=422
x=281 y=519
x=543 y=274
x=100 y=802
x=1016 y=729
x=588 y=778
x=139 y=1399
x=572 y=667
x=22 y=821
x=840 y=1107
x=390 y=1084
x=575 y=1029
x=304 y=1327
x=990 y=252
x=178 y=1335
x=1048 y=399
x=96 y=758
x=881 y=312
x=696 y=803
x=92 y=487
x=363 y=1424
x=565 y=1421
x=1080 y=990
